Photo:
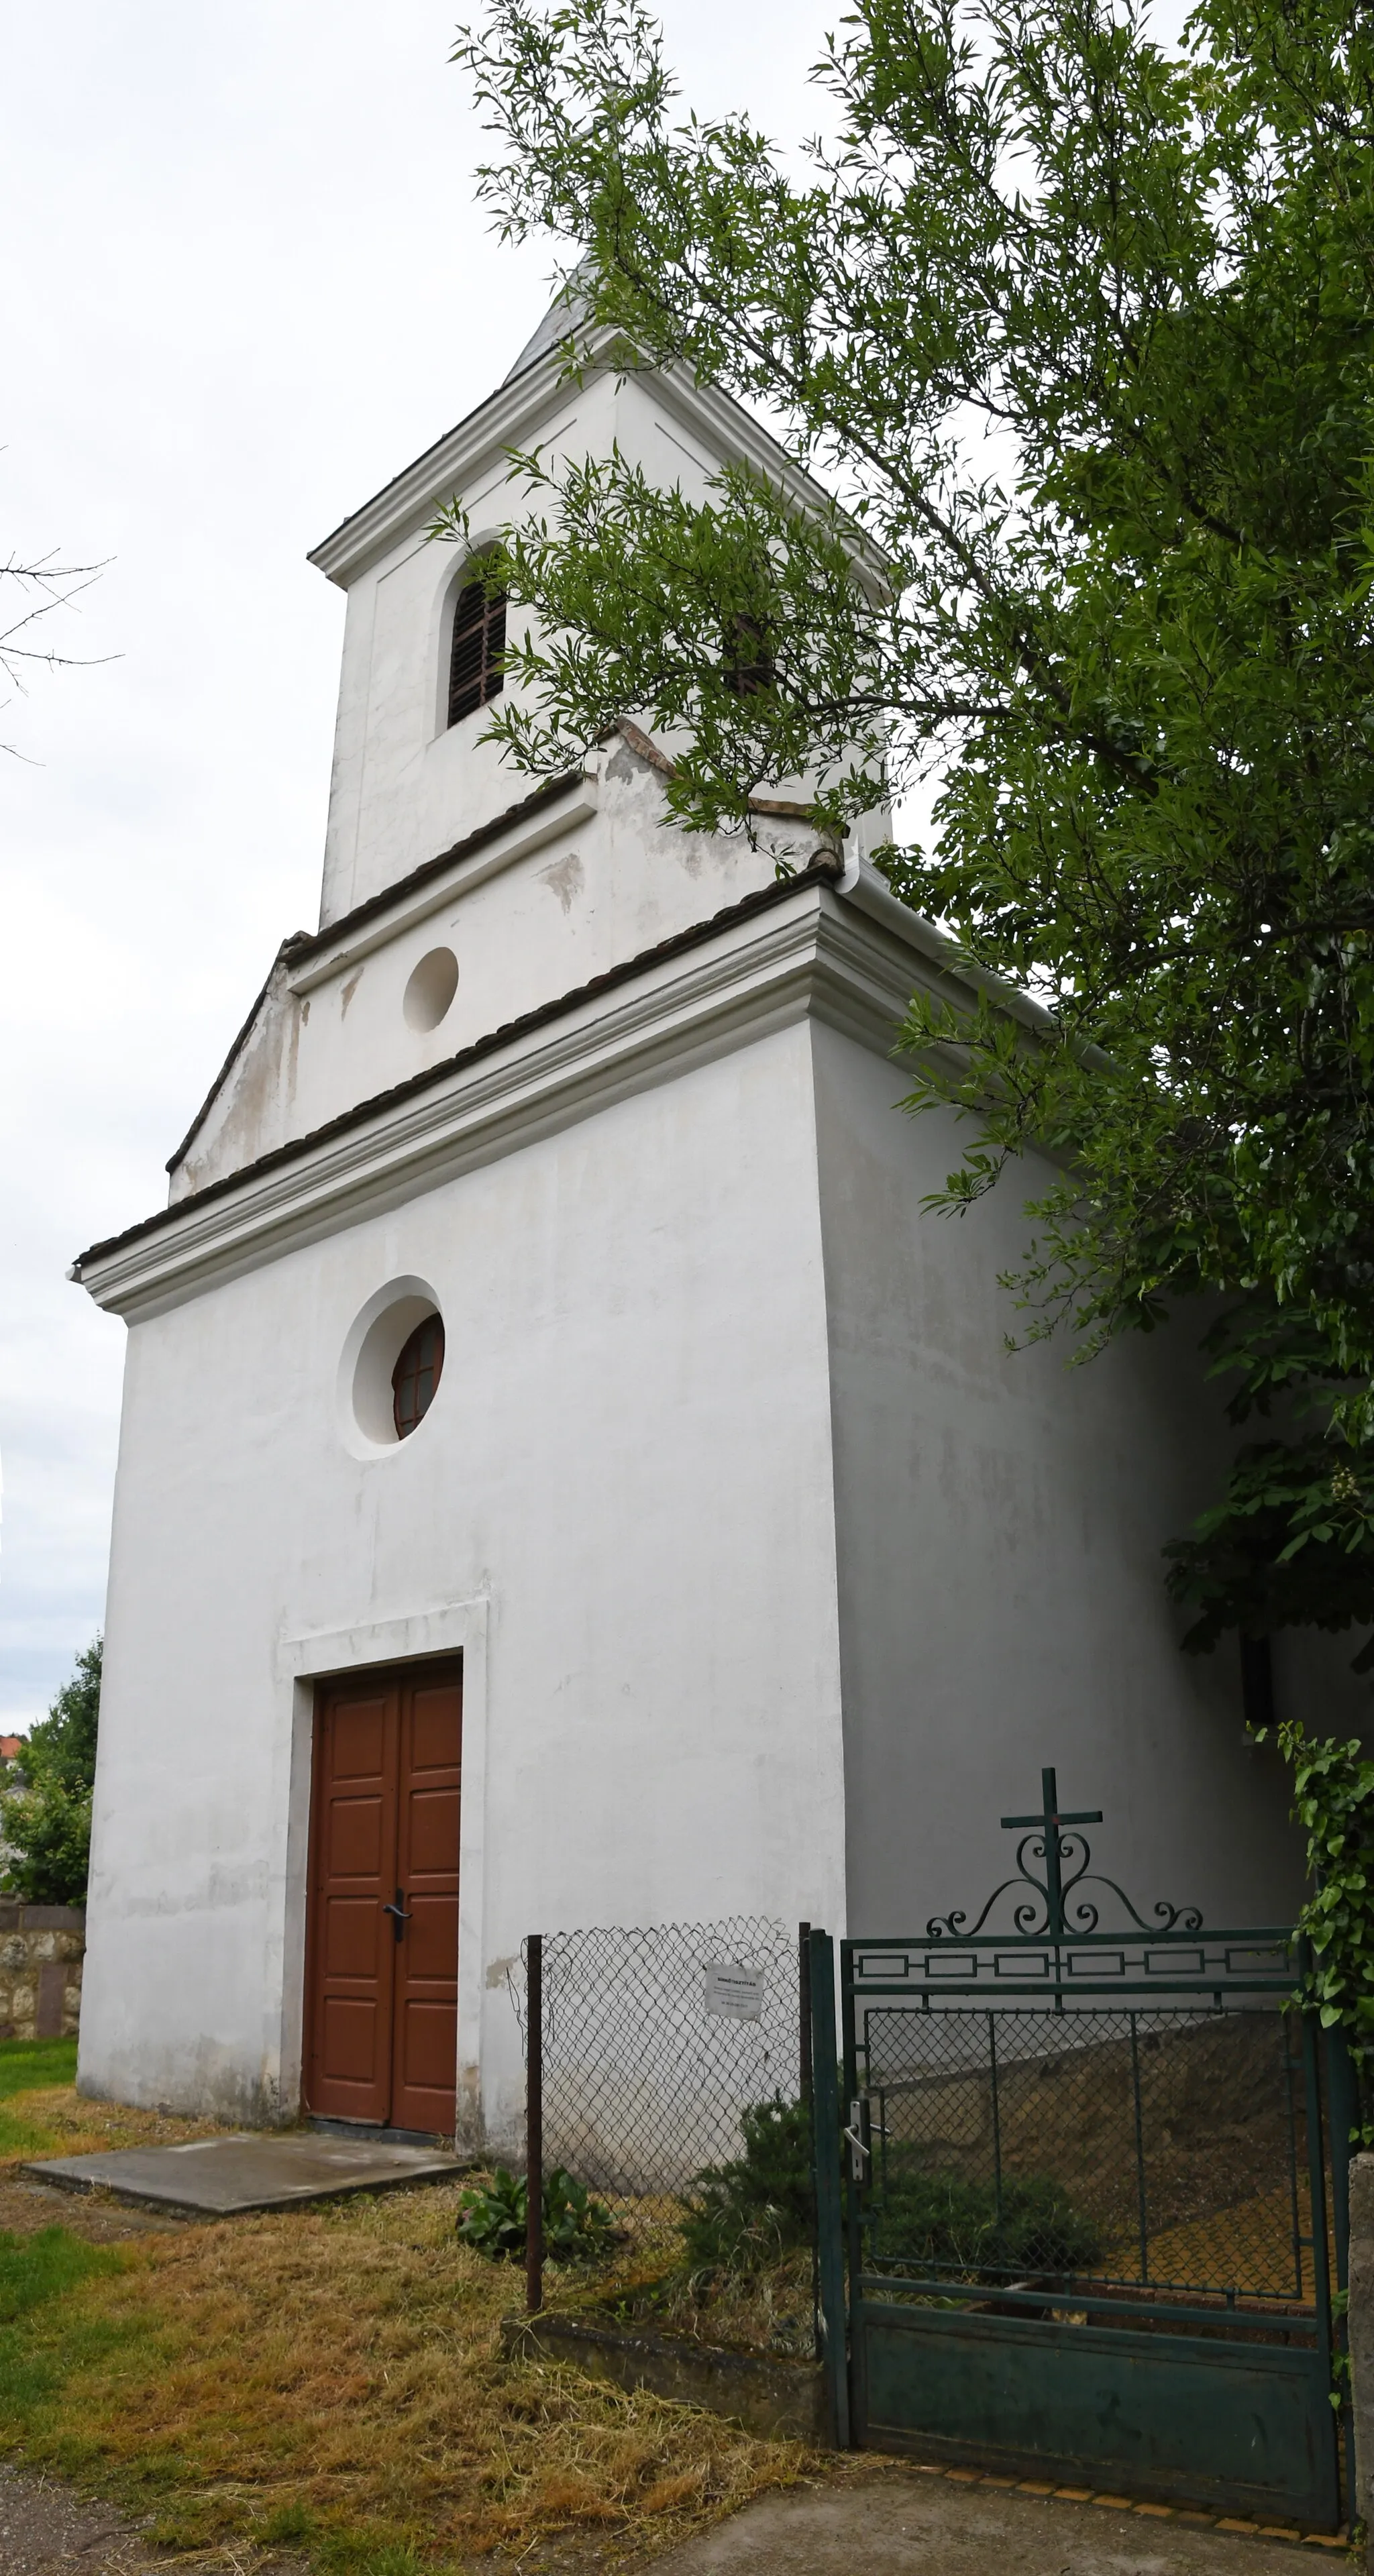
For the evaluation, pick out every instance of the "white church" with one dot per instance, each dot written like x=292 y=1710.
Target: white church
x=565 y=1477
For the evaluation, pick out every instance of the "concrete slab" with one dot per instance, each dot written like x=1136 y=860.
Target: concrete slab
x=903 y=2524
x=222 y=2177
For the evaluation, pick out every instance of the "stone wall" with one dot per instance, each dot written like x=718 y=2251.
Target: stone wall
x=41 y=1950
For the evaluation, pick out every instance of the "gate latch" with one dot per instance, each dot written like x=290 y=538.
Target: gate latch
x=857 y=2137
x=398 y=1914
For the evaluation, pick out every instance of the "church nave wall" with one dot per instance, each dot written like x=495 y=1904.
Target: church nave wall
x=627 y=1462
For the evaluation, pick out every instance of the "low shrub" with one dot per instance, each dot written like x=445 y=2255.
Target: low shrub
x=960 y=2226
x=494 y=2217
x=749 y=2213
x=745 y=2214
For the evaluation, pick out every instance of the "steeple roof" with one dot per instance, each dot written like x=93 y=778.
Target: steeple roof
x=568 y=308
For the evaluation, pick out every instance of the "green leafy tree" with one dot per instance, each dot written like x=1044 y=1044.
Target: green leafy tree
x=45 y=1815
x=1333 y=1801
x=1073 y=330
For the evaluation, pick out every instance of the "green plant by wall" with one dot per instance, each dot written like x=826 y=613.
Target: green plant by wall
x=747 y=2212
x=494 y=2217
x=1333 y=1801
x=45 y=1816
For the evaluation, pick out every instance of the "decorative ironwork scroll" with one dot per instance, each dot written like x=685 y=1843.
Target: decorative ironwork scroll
x=1051 y=1910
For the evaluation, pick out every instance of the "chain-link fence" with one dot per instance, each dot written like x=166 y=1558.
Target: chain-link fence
x=1161 y=2147
x=661 y=2056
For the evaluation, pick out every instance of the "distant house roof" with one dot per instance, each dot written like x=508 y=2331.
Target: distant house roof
x=11 y=1746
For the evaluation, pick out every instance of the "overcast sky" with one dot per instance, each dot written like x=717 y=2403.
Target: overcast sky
x=246 y=282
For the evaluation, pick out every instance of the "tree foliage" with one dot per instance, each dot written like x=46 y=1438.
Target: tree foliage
x=1334 y=1803
x=1073 y=330
x=45 y=1816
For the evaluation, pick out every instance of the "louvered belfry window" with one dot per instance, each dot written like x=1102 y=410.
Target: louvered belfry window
x=479 y=640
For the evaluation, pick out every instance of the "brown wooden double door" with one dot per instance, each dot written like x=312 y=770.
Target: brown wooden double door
x=382 y=1931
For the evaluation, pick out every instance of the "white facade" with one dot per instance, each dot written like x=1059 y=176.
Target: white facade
x=775 y=1579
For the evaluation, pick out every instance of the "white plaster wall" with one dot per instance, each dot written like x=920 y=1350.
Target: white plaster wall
x=593 y=898
x=629 y=1457
x=405 y=783
x=597 y=894
x=1000 y=1521
x=253 y=1109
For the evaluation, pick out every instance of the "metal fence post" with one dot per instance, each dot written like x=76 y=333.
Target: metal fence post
x=1316 y=2171
x=829 y=2215
x=807 y=2095
x=534 y=2123
x=1344 y=2101
x=804 y=2023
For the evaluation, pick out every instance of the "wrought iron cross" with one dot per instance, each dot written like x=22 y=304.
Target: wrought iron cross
x=1049 y=1822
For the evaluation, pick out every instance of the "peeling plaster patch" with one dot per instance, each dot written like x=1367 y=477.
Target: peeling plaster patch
x=564 y=878
x=498 y=1970
x=348 y=992
x=305 y=1009
x=468 y=2127
x=293 y=1048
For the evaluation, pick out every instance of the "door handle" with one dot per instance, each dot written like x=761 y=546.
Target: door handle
x=397 y=1912
x=857 y=2137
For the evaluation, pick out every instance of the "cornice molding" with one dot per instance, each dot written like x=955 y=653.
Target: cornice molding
x=506 y=420
x=812 y=956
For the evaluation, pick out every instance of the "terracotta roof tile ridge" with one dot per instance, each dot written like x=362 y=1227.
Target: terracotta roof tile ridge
x=237 y=1044
x=823 y=871
x=644 y=745
x=307 y=943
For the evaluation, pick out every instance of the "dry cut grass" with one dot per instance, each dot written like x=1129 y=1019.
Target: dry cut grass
x=335 y=2377
x=59 y=2123
x=42 y=2115
x=766 y=2310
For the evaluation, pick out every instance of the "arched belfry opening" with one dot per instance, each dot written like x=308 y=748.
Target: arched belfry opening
x=476 y=651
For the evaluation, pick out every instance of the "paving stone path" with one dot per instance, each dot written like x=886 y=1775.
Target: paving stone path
x=887 y=2521
x=901 y=2522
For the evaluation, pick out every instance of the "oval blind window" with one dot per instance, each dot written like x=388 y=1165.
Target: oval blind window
x=415 y=1378
x=479 y=640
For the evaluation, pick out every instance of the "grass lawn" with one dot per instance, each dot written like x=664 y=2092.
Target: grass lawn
x=329 y=2380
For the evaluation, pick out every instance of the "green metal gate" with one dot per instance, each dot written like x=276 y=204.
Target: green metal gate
x=1086 y=2221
